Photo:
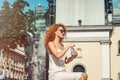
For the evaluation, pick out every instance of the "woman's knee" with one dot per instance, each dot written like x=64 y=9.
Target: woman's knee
x=84 y=76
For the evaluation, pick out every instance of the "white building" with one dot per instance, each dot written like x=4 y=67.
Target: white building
x=98 y=44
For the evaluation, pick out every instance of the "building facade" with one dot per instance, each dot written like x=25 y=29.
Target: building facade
x=90 y=26
x=12 y=64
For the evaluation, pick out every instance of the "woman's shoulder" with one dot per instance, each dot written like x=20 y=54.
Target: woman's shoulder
x=51 y=44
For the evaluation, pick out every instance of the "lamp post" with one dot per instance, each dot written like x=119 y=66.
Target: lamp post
x=51 y=11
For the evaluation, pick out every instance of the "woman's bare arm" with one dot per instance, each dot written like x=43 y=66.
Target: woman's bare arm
x=67 y=60
x=54 y=51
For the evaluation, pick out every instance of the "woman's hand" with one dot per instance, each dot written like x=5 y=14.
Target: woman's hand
x=74 y=54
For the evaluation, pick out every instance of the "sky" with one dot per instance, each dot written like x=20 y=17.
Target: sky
x=116 y=3
x=33 y=3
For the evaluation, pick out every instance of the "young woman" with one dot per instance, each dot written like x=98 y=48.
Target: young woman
x=56 y=50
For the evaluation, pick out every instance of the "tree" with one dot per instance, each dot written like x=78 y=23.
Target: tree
x=14 y=24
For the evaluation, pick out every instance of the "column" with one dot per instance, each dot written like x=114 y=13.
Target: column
x=105 y=60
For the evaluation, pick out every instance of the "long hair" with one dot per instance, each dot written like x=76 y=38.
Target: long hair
x=50 y=34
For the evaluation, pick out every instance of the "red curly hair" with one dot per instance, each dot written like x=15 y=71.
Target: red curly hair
x=50 y=35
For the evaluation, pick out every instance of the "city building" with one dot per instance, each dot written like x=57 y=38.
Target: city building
x=94 y=26
x=39 y=56
x=12 y=64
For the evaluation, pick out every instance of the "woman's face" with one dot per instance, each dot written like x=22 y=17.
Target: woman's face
x=60 y=32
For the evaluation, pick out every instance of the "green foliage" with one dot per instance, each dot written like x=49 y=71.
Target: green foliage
x=14 y=24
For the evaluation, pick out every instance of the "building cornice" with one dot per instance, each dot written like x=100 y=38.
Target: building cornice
x=90 y=33
x=90 y=28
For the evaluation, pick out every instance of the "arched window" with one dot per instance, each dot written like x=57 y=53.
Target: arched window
x=78 y=68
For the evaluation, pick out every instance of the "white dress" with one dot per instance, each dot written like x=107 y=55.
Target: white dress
x=57 y=70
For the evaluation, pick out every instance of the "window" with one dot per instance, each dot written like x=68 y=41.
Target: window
x=78 y=68
x=119 y=47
